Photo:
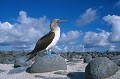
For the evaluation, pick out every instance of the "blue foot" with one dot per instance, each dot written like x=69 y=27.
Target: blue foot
x=52 y=55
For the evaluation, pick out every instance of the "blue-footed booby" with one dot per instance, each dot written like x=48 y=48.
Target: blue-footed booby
x=49 y=40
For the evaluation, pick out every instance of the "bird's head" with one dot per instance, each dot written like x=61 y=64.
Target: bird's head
x=55 y=22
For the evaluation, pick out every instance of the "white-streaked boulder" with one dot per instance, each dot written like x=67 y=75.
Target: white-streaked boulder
x=45 y=63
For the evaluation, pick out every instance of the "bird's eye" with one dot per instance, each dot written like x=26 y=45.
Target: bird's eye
x=58 y=21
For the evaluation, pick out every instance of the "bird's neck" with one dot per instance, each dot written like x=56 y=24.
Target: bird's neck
x=55 y=29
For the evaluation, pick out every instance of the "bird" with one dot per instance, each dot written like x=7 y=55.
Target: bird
x=49 y=40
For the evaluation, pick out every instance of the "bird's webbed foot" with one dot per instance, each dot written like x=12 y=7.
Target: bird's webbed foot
x=48 y=52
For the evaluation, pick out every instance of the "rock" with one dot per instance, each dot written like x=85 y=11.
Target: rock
x=116 y=59
x=17 y=70
x=76 y=75
x=69 y=56
x=77 y=56
x=100 y=68
x=84 y=55
x=93 y=55
x=2 y=70
x=117 y=62
x=20 y=62
x=109 y=56
x=64 y=55
x=46 y=64
x=87 y=58
x=7 y=59
x=10 y=58
x=61 y=73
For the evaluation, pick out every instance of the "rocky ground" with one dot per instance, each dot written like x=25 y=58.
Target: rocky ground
x=75 y=70
x=76 y=65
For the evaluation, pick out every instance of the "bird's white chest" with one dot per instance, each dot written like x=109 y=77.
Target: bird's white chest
x=55 y=40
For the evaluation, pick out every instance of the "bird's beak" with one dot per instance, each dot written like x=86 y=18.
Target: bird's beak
x=61 y=21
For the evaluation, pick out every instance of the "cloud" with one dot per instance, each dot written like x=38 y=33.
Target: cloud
x=71 y=48
x=114 y=20
x=24 y=33
x=89 y=16
x=70 y=37
x=93 y=39
x=113 y=48
x=68 y=41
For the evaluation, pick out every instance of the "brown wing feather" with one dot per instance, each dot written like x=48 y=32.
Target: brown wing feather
x=42 y=43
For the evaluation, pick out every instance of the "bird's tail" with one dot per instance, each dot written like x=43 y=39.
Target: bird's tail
x=31 y=55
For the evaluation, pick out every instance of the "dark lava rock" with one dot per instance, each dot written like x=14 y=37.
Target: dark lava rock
x=87 y=58
x=46 y=64
x=93 y=55
x=109 y=55
x=76 y=75
x=61 y=73
x=77 y=56
x=10 y=58
x=16 y=54
x=7 y=60
x=117 y=62
x=17 y=70
x=116 y=59
x=69 y=56
x=100 y=68
x=2 y=70
x=20 y=61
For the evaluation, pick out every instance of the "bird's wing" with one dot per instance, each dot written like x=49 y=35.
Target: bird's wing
x=43 y=42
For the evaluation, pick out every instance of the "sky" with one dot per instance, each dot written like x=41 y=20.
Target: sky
x=94 y=25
